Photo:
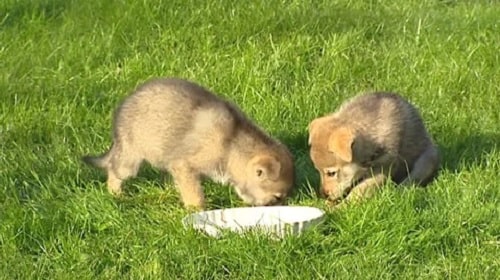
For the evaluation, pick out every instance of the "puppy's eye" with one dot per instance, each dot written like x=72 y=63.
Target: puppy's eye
x=331 y=173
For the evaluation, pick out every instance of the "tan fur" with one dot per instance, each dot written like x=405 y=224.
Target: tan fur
x=340 y=142
x=370 y=139
x=182 y=128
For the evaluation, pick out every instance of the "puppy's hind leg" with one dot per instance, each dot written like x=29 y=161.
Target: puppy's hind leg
x=425 y=168
x=123 y=165
x=114 y=183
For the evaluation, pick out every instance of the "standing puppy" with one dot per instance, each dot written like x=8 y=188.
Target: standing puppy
x=182 y=128
x=370 y=139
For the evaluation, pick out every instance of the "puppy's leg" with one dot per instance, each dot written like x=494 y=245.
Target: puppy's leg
x=425 y=168
x=122 y=166
x=366 y=188
x=189 y=186
x=114 y=184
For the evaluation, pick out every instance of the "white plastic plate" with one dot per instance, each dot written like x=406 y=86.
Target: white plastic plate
x=279 y=221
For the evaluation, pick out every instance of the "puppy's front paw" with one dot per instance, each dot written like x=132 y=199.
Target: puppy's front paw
x=115 y=191
x=336 y=204
x=194 y=208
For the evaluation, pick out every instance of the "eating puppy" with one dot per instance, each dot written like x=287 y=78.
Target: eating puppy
x=370 y=139
x=181 y=127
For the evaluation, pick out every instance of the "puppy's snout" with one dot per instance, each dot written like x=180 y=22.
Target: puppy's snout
x=277 y=199
x=281 y=199
x=278 y=196
x=324 y=192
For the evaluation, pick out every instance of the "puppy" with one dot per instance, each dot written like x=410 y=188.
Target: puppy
x=182 y=128
x=370 y=139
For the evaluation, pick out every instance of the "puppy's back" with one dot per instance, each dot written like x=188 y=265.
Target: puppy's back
x=164 y=99
x=160 y=114
x=389 y=120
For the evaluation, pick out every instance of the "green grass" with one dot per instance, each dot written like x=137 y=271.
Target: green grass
x=64 y=65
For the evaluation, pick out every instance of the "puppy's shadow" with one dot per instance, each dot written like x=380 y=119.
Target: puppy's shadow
x=307 y=178
x=462 y=152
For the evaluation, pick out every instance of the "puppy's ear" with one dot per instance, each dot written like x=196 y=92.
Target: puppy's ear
x=340 y=142
x=264 y=167
x=310 y=129
x=313 y=128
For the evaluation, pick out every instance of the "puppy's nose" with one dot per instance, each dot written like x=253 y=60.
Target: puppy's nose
x=278 y=196
x=277 y=199
x=280 y=199
x=324 y=192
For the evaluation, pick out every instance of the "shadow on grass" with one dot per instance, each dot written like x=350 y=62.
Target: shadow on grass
x=318 y=20
x=307 y=178
x=147 y=173
x=216 y=195
x=467 y=150
x=20 y=12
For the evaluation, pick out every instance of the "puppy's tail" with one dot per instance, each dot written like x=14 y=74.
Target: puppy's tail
x=101 y=161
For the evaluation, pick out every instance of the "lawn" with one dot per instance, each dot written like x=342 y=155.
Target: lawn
x=65 y=64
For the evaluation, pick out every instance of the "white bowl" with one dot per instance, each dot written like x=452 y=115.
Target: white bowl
x=279 y=221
